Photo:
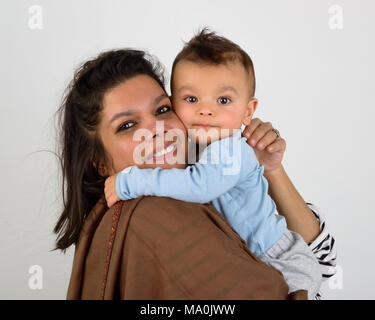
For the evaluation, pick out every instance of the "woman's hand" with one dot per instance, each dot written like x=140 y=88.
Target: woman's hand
x=268 y=147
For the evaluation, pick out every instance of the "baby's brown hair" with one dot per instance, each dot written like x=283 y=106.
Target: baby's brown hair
x=210 y=48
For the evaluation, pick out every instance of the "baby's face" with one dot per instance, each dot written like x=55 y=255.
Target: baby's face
x=212 y=97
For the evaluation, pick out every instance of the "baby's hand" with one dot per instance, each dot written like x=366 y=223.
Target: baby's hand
x=268 y=147
x=110 y=191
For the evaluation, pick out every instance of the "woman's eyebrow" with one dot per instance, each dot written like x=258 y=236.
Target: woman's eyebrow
x=121 y=114
x=157 y=100
x=130 y=112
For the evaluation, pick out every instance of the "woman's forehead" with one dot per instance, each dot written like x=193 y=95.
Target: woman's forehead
x=137 y=94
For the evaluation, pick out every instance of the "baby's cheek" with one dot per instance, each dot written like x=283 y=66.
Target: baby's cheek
x=230 y=120
x=184 y=113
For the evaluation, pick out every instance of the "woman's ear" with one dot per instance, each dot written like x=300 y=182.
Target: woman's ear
x=94 y=161
x=250 y=109
x=101 y=168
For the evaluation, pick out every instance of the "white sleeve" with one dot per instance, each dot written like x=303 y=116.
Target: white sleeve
x=323 y=247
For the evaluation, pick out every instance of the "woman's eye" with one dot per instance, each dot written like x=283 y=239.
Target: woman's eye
x=126 y=126
x=224 y=100
x=191 y=99
x=164 y=109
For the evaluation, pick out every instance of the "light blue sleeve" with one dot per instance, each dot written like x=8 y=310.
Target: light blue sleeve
x=214 y=174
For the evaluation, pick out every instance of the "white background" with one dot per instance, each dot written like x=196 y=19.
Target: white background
x=315 y=84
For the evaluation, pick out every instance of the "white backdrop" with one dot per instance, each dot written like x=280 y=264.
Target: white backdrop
x=314 y=64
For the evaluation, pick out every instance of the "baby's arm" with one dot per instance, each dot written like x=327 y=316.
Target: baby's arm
x=202 y=182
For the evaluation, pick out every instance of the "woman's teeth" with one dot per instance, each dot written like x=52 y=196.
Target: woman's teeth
x=165 y=151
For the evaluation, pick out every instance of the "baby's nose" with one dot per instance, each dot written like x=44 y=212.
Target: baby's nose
x=205 y=110
x=209 y=113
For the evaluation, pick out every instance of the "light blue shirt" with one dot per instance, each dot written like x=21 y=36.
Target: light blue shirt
x=229 y=177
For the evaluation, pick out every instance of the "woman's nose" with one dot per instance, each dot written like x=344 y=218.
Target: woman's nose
x=159 y=128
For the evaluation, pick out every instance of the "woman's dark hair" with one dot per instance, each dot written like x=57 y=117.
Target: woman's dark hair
x=80 y=146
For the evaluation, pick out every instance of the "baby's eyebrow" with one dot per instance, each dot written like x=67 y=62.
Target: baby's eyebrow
x=185 y=88
x=221 y=88
x=228 y=88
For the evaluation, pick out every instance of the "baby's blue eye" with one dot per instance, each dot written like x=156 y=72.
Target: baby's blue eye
x=224 y=100
x=191 y=99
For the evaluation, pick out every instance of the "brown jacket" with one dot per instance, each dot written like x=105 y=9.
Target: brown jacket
x=161 y=248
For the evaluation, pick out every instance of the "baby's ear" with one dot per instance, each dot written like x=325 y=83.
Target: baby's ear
x=250 y=109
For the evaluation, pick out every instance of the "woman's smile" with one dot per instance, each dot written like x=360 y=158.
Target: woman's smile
x=166 y=151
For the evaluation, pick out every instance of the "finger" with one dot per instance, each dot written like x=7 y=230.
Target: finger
x=248 y=131
x=109 y=196
x=110 y=202
x=107 y=183
x=266 y=140
x=113 y=201
x=260 y=132
x=278 y=146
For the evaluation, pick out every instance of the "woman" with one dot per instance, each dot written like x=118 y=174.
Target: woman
x=97 y=141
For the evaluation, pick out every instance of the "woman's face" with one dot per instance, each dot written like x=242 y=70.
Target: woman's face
x=133 y=107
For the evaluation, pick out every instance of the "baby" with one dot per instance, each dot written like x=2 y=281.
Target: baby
x=212 y=88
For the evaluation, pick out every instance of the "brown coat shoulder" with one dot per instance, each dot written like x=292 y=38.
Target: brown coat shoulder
x=167 y=249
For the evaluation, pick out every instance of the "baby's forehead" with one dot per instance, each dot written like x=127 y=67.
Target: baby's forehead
x=230 y=72
x=202 y=64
